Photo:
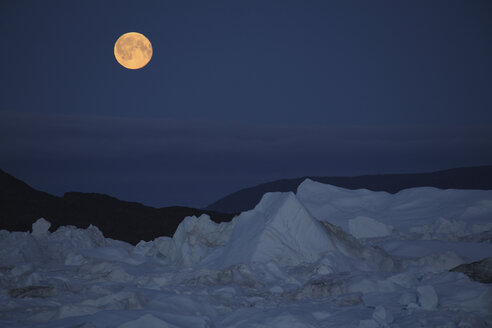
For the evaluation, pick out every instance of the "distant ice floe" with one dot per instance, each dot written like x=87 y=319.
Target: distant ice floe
x=323 y=257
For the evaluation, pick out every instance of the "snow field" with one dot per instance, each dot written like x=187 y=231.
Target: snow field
x=323 y=257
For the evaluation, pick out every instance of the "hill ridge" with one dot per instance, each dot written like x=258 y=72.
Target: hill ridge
x=21 y=205
x=474 y=177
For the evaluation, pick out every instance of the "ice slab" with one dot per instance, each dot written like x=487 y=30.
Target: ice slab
x=366 y=227
x=427 y=297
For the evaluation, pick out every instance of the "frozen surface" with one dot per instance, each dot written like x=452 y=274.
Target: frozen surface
x=366 y=227
x=324 y=257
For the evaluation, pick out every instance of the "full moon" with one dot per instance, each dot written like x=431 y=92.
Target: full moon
x=133 y=50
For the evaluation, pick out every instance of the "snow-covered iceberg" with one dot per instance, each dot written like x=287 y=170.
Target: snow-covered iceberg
x=421 y=213
x=279 y=229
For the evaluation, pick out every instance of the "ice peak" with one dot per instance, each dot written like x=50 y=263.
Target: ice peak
x=279 y=228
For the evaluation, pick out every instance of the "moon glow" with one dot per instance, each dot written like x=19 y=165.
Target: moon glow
x=133 y=50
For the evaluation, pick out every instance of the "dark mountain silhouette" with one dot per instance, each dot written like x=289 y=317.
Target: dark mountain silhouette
x=479 y=177
x=21 y=205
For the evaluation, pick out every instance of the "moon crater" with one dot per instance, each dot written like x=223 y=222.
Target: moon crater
x=133 y=50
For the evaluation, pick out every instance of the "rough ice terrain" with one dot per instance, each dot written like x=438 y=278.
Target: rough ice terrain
x=323 y=257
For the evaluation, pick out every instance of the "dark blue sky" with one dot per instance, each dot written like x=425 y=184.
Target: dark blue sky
x=240 y=92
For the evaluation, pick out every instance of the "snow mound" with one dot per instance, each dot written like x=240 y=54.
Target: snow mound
x=280 y=229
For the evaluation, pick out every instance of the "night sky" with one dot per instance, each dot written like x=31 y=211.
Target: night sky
x=239 y=93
